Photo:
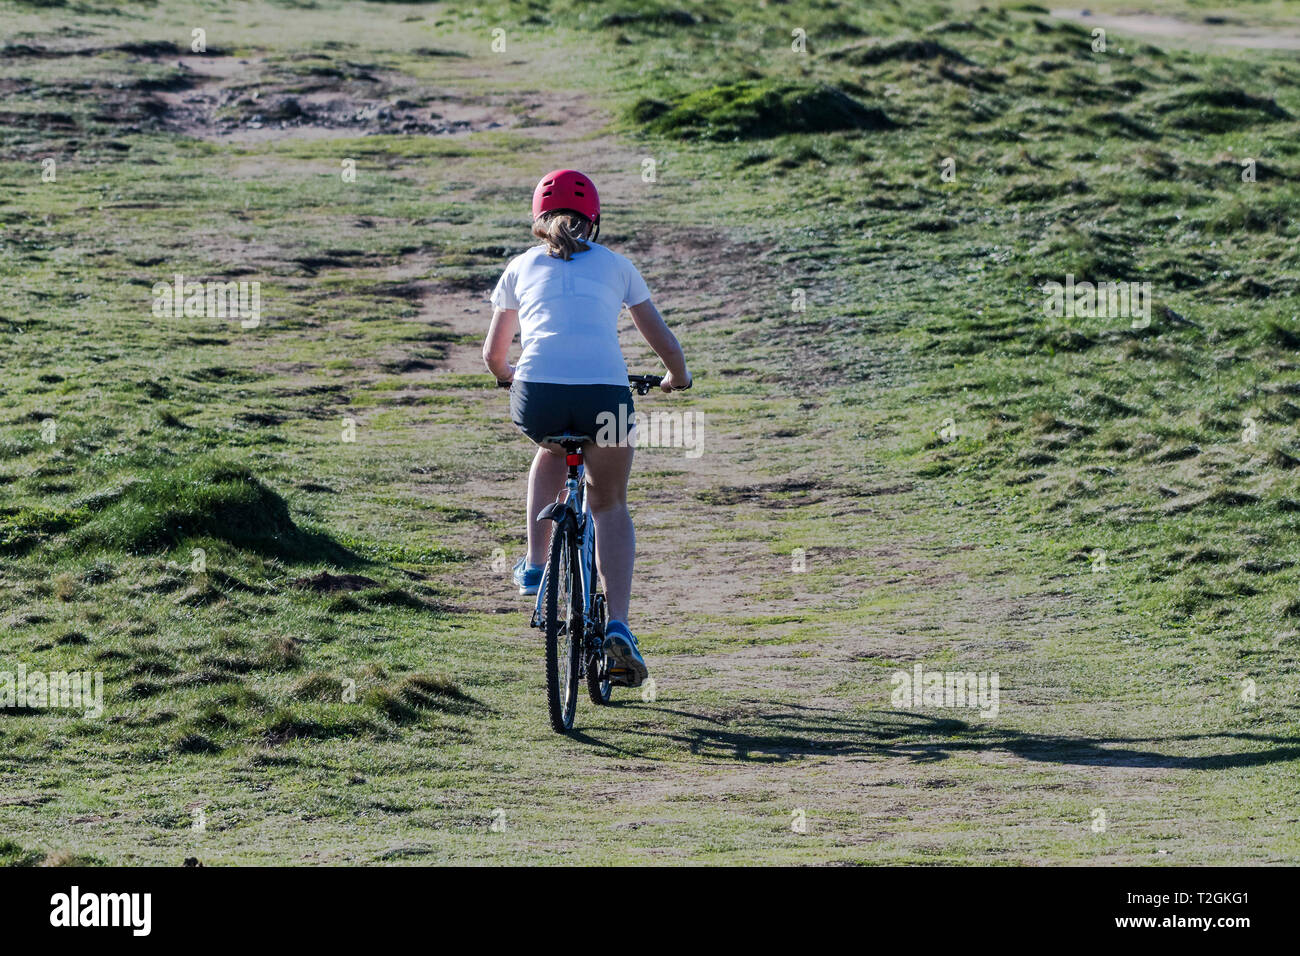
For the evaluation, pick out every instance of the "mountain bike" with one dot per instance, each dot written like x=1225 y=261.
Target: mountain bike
x=570 y=609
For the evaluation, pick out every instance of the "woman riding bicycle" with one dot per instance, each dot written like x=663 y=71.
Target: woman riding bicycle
x=564 y=298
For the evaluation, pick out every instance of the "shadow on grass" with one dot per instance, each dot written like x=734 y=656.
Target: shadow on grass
x=767 y=732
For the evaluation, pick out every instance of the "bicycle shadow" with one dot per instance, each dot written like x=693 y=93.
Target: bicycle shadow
x=777 y=732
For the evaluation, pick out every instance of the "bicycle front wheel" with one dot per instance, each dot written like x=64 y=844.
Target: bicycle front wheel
x=564 y=637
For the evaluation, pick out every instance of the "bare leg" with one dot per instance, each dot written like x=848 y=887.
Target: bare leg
x=545 y=479
x=608 y=468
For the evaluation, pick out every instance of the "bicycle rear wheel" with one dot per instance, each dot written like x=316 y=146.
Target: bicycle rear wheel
x=598 y=684
x=564 y=637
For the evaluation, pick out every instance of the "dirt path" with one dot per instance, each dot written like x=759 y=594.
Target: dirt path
x=1210 y=31
x=781 y=717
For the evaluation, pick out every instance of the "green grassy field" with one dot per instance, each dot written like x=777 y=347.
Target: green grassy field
x=284 y=546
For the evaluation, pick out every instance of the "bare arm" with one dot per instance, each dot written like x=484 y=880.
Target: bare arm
x=659 y=337
x=496 y=347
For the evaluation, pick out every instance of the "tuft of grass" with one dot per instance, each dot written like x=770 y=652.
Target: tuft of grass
x=903 y=50
x=14 y=854
x=165 y=507
x=318 y=686
x=69 y=858
x=280 y=653
x=403 y=701
x=757 y=109
x=203 y=499
x=189 y=742
x=307 y=722
x=28 y=527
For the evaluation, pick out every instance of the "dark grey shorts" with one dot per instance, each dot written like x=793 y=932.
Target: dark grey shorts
x=543 y=408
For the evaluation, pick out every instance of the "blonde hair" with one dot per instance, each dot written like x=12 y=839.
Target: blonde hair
x=563 y=231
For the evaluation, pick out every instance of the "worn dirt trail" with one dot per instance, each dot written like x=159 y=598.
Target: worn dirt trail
x=803 y=722
x=685 y=581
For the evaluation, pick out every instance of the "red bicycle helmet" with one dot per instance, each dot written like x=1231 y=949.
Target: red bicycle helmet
x=567 y=189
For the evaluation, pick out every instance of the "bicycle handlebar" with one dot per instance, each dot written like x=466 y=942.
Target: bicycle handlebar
x=641 y=384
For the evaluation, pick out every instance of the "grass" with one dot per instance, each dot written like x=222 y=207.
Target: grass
x=750 y=110
x=281 y=547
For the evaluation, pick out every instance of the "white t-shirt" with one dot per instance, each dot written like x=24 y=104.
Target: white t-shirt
x=568 y=314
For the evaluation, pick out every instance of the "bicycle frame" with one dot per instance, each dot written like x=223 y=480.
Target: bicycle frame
x=575 y=502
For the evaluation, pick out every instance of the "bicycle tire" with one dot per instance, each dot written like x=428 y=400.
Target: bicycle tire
x=563 y=588
x=598 y=690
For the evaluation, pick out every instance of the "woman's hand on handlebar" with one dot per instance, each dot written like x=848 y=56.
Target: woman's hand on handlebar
x=671 y=384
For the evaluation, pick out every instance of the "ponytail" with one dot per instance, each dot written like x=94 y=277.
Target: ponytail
x=564 y=232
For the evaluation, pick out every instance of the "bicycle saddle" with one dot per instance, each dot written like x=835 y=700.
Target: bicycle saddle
x=568 y=440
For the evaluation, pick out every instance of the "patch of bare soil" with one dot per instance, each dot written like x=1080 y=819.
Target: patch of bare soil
x=250 y=101
x=788 y=493
x=246 y=100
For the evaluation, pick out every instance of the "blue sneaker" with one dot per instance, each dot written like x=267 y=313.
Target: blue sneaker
x=527 y=576
x=626 y=665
